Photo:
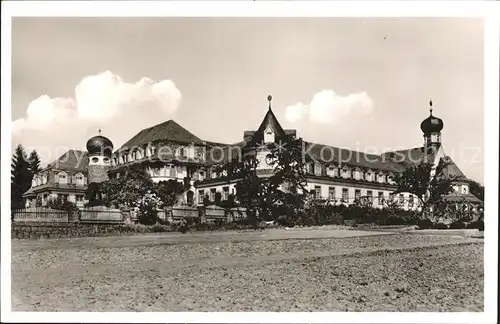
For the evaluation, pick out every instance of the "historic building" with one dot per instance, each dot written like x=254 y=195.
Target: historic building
x=66 y=177
x=168 y=151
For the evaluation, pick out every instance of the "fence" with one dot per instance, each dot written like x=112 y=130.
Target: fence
x=101 y=215
x=214 y=213
x=41 y=214
x=180 y=212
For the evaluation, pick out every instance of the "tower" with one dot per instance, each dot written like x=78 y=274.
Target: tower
x=99 y=150
x=431 y=127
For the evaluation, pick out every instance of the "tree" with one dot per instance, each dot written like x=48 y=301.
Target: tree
x=127 y=189
x=285 y=189
x=21 y=177
x=426 y=186
x=476 y=189
x=168 y=191
x=35 y=162
x=289 y=183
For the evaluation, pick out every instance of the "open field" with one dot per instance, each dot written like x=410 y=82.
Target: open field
x=257 y=271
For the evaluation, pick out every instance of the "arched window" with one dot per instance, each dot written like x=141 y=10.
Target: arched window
x=79 y=179
x=62 y=177
x=369 y=175
x=380 y=177
x=346 y=173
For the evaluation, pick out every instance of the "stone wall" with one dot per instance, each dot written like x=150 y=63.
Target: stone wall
x=37 y=230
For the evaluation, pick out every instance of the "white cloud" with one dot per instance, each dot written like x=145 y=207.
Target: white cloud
x=327 y=107
x=104 y=101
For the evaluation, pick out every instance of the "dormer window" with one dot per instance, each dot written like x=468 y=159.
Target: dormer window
x=79 y=179
x=317 y=169
x=332 y=171
x=380 y=178
x=369 y=176
x=346 y=173
x=269 y=135
x=357 y=174
x=62 y=177
x=465 y=190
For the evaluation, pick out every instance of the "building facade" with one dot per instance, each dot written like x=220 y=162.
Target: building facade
x=168 y=151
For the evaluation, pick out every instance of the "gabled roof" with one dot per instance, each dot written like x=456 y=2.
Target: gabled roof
x=168 y=131
x=72 y=160
x=271 y=121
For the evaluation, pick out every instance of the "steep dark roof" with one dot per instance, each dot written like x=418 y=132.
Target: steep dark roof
x=72 y=160
x=168 y=131
x=453 y=171
x=269 y=120
x=414 y=155
x=341 y=156
x=222 y=154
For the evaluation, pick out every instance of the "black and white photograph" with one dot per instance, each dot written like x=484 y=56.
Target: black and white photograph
x=253 y=163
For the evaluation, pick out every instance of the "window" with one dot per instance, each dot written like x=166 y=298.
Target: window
x=465 y=190
x=380 y=197
x=346 y=173
x=331 y=193
x=345 y=194
x=411 y=201
x=332 y=172
x=63 y=178
x=317 y=191
x=225 y=193
x=95 y=160
x=401 y=198
x=381 y=177
x=357 y=194
x=106 y=160
x=182 y=152
x=202 y=175
x=369 y=194
x=268 y=135
x=79 y=179
x=201 y=196
x=317 y=169
x=357 y=175
x=369 y=176
x=212 y=194
x=310 y=168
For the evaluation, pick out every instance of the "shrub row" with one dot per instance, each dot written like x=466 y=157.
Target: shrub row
x=428 y=224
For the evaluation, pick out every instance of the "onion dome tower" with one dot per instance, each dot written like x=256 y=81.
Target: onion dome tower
x=99 y=150
x=431 y=127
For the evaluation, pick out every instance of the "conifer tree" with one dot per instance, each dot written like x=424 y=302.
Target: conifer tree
x=21 y=177
x=35 y=162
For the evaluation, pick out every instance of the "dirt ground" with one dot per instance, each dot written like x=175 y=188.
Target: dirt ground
x=343 y=272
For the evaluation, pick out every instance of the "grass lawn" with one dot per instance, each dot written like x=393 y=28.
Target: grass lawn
x=396 y=272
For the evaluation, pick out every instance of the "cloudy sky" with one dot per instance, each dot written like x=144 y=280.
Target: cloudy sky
x=357 y=83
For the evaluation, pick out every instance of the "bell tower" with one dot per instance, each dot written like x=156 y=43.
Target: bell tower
x=432 y=127
x=99 y=150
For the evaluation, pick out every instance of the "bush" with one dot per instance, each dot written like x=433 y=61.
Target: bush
x=479 y=224
x=395 y=220
x=424 y=224
x=458 y=225
x=284 y=221
x=163 y=221
x=440 y=226
x=159 y=228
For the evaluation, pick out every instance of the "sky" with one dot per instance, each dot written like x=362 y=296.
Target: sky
x=358 y=83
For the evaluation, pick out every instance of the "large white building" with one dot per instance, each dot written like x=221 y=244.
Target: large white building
x=170 y=152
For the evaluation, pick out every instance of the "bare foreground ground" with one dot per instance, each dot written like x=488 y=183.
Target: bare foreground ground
x=275 y=270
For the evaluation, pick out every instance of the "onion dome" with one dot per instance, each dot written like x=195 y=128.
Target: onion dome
x=431 y=124
x=100 y=145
